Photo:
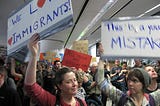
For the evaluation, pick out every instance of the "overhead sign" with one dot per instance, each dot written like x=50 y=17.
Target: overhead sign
x=76 y=59
x=134 y=37
x=45 y=17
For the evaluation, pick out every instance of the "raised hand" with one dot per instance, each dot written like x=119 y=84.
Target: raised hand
x=33 y=44
x=30 y=76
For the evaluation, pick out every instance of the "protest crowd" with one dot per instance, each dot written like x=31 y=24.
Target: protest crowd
x=104 y=83
x=125 y=67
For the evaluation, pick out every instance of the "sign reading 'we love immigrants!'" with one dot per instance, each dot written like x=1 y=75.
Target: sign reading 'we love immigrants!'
x=76 y=59
x=45 y=17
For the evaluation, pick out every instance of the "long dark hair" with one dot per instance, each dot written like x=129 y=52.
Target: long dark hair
x=59 y=77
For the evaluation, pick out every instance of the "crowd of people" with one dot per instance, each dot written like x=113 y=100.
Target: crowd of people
x=37 y=83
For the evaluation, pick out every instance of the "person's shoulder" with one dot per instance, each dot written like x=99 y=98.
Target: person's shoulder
x=10 y=90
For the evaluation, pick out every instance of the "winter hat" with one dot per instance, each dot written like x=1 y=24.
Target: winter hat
x=147 y=78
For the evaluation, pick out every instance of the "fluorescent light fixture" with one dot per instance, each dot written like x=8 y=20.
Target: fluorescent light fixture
x=103 y=10
x=124 y=18
x=149 y=10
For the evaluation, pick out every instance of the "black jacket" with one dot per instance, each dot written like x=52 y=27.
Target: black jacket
x=9 y=96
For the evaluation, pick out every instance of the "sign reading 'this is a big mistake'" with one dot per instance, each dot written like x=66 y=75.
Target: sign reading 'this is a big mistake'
x=134 y=37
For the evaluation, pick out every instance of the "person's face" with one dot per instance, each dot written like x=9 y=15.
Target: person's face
x=100 y=49
x=50 y=68
x=137 y=62
x=1 y=79
x=151 y=71
x=117 y=62
x=40 y=67
x=69 y=85
x=94 y=68
x=58 y=65
x=124 y=66
x=1 y=76
x=134 y=85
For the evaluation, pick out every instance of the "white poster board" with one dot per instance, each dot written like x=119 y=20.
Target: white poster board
x=45 y=17
x=134 y=37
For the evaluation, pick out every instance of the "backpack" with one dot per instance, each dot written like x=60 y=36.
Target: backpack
x=124 y=97
x=58 y=101
x=93 y=100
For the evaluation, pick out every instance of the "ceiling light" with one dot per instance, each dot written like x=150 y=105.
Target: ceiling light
x=103 y=10
x=149 y=10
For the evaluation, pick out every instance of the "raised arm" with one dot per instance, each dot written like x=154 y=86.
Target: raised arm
x=30 y=76
x=100 y=72
x=13 y=72
x=105 y=86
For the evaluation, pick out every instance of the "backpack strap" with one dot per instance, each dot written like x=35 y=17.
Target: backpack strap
x=57 y=99
x=122 y=100
x=151 y=101
x=80 y=101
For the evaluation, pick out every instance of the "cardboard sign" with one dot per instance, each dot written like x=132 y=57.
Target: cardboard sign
x=49 y=56
x=41 y=57
x=134 y=37
x=45 y=17
x=81 y=46
x=76 y=59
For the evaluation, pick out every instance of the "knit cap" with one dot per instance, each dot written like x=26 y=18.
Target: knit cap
x=147 y=78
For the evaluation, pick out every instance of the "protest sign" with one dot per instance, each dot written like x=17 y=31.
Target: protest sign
x=76 y=59
x=134 y=37
x=46 y=18
x=80 y=46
